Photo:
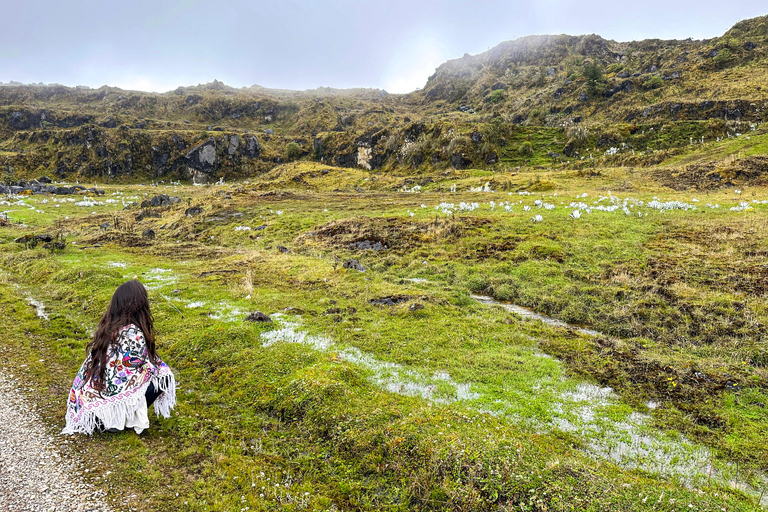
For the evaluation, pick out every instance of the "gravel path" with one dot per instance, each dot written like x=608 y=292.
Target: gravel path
x=33 y=475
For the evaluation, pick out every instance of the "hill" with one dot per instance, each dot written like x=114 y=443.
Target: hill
x=554 y=101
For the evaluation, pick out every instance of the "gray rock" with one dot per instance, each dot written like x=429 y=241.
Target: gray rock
x=551 y=71
x=460 y=162
x=258 y=316
x=193 y=211
x=234 y=142
x=161 y=200
x=148 y=233
x=203 y=157
x=252 y=147
x=354 y=265
x=367 y=245
x=269 y=131
x=712 y=54
x=283 y=249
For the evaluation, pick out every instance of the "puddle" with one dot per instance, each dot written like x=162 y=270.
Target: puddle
x=530 y=314
x=39 y=308
x=157 y=278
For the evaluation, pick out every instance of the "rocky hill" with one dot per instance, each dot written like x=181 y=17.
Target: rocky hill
x=563 y=101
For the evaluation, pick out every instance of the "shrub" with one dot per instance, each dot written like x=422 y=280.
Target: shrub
x=653 y=83
x=525 y=149
x=496 y=96
x=593 y=72
x=292 y=151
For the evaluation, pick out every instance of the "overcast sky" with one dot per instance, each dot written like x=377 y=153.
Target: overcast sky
x=157 y=45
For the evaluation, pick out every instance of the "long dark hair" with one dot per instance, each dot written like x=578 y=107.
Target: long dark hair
x=129 y=305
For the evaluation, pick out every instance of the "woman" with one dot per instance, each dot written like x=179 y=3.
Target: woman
x=122 y=375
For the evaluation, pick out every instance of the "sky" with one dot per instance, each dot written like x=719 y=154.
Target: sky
x=158 y=45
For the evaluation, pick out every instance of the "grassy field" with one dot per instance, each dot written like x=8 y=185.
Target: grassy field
x=436 y=401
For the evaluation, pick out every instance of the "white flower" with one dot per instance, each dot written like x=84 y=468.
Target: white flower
x=537 y=218
x=575 y=214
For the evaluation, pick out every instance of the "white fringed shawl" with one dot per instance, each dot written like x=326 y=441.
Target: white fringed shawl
x=127 y=376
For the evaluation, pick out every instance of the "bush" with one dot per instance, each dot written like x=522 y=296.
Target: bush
x=496 y=96
x=723 y=59
x=653 y=83
x=593 y=72
x=525 y=149
x=292 y=151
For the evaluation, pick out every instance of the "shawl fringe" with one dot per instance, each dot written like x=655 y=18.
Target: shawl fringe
x=118 y=412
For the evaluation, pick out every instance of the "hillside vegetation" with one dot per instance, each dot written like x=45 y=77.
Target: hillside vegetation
x=550 y=101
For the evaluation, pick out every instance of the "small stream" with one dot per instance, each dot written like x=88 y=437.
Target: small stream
x=530 y=314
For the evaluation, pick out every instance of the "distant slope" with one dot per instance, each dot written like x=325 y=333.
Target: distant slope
x=552 y=100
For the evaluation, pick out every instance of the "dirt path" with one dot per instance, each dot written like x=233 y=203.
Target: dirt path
x=33 y=475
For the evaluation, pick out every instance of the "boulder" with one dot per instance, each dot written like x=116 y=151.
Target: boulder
x=354 y=265
x=162 y=200
x=460 y=162
x=252 y=147
x=203 y=156
x=193 y=211
x=258 y=316
x=45 y=179
x=234 y=142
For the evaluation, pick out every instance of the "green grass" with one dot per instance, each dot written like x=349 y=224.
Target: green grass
x=371 y=420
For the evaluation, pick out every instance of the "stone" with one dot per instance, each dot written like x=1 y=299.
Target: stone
x=623 y=74
x=558 y=93
x=283 y=249
x=476 y=137
x=653 y=69
x=367 y=245
x=258 y=316
x=354 y=265
x=203 y=157
x=193 y=211
x=148 y=233
x=252 y=147
x=460 y=162
x=749 y=45
x=712 y=54
x=492 y=158
x=234 y=142
x=269 y=131
x=583 y=96
x=45 y=179
x=551 y=71
x=259 y=228
x=416 y=307
x=160 y=200
x=44 y=238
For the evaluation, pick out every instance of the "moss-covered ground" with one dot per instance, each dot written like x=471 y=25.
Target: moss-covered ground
x=438 y=402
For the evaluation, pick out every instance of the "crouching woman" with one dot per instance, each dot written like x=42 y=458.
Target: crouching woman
x=122 y=374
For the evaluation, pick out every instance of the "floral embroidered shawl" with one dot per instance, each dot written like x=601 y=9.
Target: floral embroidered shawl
x=127 y=377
